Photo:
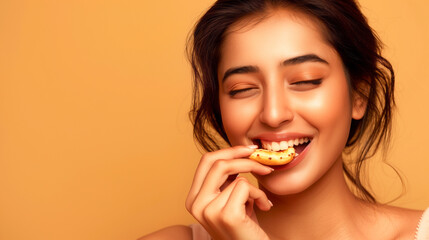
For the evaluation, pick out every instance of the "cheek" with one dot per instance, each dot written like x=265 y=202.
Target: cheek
x=330 y=111
x=237 y=118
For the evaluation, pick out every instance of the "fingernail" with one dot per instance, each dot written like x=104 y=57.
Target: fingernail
x=253 y=146
x=271 y=169
x=270 y=203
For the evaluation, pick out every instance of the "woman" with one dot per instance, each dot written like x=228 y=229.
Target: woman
x=278 y=73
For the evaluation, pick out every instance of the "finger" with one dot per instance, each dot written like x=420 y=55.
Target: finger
x=206 y=163
x=242 y=192
x=206 y=207
x=221 y=169
x=208 y=160
x=217 y=204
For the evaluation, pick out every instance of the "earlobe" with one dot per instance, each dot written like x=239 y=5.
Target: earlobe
x=359 y=106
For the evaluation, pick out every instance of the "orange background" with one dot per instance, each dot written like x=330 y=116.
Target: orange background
x=95 y=142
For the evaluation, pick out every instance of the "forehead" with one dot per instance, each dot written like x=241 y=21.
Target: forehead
x=279 y=34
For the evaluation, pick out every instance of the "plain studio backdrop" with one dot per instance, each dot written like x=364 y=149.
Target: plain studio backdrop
x=95 y=142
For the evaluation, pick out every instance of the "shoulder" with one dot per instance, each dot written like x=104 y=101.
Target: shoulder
x=405 y=221
x=178 y=232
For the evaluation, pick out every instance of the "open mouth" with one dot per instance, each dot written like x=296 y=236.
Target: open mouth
x=298 y=144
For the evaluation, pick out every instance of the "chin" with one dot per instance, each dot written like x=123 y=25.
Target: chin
x=280 y=185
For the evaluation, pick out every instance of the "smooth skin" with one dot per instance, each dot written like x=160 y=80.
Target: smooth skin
x=279 y=79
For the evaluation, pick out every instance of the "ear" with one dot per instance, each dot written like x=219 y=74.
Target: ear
x=359 y=106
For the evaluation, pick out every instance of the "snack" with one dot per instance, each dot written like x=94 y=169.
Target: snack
x=273 y=158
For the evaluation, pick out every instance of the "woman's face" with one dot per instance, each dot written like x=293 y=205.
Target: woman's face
x=281 y=83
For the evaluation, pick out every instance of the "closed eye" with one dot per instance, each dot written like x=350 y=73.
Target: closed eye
x=244 y=92
x=305 y=85
x=312 y=82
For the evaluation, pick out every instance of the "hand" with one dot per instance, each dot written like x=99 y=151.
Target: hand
x=222 y=203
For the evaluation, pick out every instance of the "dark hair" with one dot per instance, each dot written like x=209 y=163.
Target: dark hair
x=345 y=27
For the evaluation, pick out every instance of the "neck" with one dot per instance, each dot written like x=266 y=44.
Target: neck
x=326 y=210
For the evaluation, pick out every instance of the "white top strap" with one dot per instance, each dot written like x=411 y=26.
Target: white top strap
x=422 y=232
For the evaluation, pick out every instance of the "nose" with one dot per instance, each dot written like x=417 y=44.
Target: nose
x=276 y=109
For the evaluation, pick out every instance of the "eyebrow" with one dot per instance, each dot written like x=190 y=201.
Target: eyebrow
x=290 y=61
x=237 y=70
x=303 y=59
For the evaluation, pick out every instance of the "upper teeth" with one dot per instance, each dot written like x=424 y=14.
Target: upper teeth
x=283 y=145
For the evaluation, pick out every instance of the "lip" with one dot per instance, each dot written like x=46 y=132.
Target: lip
x=278 y=137
x=295 y=161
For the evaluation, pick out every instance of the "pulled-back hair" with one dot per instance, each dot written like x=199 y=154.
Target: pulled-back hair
x=345 y=27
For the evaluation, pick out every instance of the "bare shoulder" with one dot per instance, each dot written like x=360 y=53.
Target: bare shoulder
x=178 y=232
x=405 y=221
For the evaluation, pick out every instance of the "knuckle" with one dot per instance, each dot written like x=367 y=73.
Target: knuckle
x=242 y=182
x=208 y=213
x=220 y=164
x=188 y=205
x=243 y=185
x=193 y=207
x=194 y=210
x=206 y=157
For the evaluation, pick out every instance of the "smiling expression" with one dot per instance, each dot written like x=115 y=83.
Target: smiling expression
x=281 y=81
